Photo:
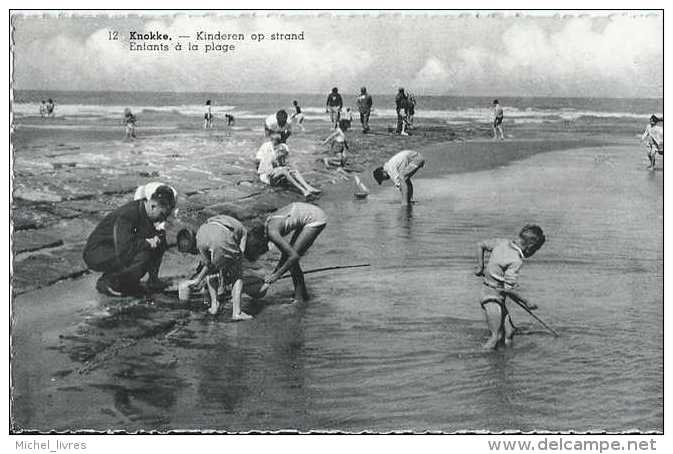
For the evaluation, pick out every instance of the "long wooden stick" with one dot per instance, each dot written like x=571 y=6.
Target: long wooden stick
x=329 y=268
x=525 y=308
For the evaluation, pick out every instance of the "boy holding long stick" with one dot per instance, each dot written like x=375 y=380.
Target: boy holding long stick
x=500 y=280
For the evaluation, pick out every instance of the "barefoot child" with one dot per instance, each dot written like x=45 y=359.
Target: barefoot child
x=273 y=168
x=653 y=138
x=221 y=242
x=297 y=117
x=500 y=280
x=208 y=116
x=399 y=169
x=305 y=222
x=339 y=145
x=129 y=121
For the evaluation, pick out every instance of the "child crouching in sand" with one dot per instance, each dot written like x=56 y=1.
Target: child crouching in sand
x=500 y=280
x=220 y=243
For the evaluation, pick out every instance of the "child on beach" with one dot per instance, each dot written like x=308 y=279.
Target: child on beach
x=51 y=108
x=43 y=109
x=278 y=124
x=297 y=117
x=220 y=243
x=230 y=119
x=364 y=103
x=339 y=145
x=500 y=280
x=305 y=222
x=653 y=139
x=129 y=121
x=208 y=116
x=399 y=169
x=498 y=116
x=273 y=168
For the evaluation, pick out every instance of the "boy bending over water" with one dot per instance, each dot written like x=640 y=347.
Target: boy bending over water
x=221 y=242
x=399 y=169
x=500 y=279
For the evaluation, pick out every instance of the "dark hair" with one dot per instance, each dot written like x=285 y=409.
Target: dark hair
x=335 y=89
x=380 y=175
x=50 y=100
x=256 y=244
x=295 y=102
x=281 y=114
x=165 y=196
x=534 y=234
x=344 y=124
x=363 y=90
x=187 y=241
x=656 y=119
x=208 y=102
x=495 y=101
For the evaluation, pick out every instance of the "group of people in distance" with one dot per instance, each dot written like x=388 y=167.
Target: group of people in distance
x=47 y=108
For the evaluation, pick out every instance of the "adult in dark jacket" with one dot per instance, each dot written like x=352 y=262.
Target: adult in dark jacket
x=126 y=245
x=334 y=105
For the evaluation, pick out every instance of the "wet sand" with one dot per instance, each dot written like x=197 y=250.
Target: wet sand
x=124 y=360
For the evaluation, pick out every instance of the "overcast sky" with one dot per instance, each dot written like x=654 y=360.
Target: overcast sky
x=619 y=55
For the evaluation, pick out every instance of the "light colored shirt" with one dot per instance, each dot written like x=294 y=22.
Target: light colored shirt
x=497 y=111
x=654 y=134
x=266 y=156
x=220 y=241
x=271 y=125
x=397 y=164
x=502 y=270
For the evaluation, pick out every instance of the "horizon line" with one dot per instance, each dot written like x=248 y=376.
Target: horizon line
x=391 y=93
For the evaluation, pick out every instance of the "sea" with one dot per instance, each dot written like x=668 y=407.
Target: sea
x=152 y=107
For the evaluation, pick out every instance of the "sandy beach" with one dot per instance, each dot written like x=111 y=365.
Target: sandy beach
x=67 y=176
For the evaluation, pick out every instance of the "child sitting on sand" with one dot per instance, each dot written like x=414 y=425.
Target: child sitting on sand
x=339 y=145
x=653 y=138
x=273 y=167
x=129 y=121
x=220 y=243
x=500 y=280
x=399 y=169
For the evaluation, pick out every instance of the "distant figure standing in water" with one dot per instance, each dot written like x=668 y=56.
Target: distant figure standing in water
x=51 y=112
x=399 y=169
x=129 y=121
x=334 y=105
x=305 y=222
x=208 y=116
x=297 y=117
x=653 y=138
x=364 y=103
x=500 y=280
x=498 y=116
x=411 y=109
x=278 y=124
x=402 y=110
x=43 y=109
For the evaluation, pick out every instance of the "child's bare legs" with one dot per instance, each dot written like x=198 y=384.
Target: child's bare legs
x=509 y=329
x=652 y=155
x=293 y=181
x=295 y=173
x=236 y=312
x=494 y=320
x=212 y=294
x=301 y=241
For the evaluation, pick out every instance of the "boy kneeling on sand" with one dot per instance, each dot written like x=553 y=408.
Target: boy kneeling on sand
x=500 y=280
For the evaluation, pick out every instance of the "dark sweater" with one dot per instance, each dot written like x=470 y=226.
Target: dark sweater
x=124 y=231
